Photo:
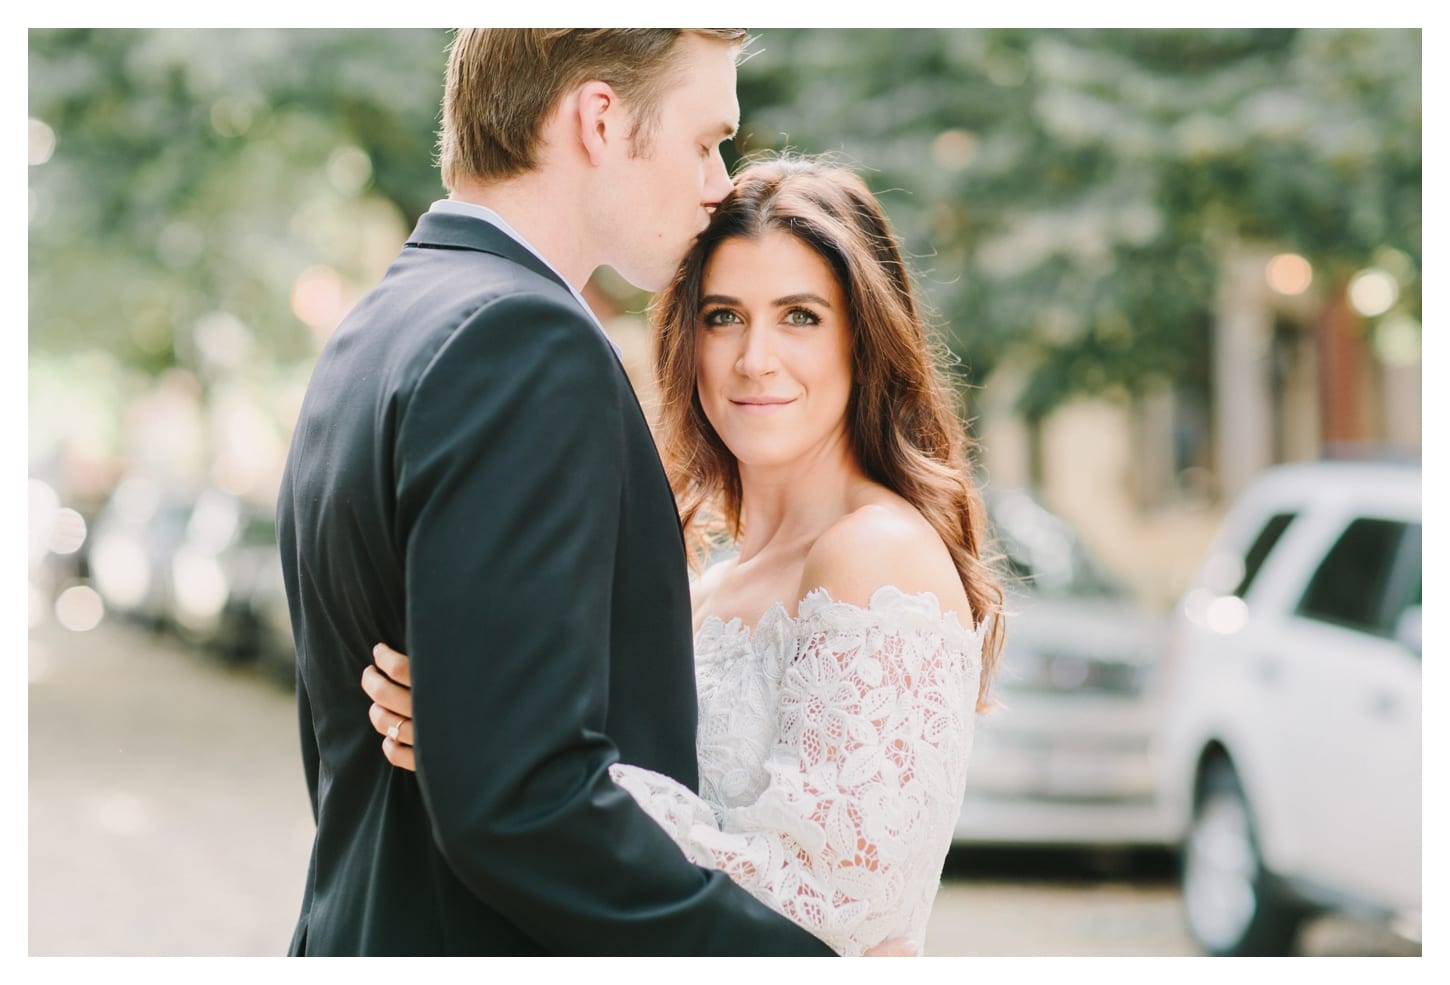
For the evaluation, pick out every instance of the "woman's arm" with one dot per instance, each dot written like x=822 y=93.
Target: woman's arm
x=865 y=780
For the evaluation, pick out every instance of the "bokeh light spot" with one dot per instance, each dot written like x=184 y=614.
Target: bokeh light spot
x=42 y=142
x=1373 y=292
x=1289 y=273
x=349 y=169
x=954 y=149
x=1227 y=614
x=79 y=608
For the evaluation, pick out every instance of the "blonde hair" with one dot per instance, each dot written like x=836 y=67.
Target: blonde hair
x=501 y=84
x=902 y=417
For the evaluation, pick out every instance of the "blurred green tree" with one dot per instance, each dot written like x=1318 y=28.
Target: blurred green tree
x=1065 y=194
x=195 y=173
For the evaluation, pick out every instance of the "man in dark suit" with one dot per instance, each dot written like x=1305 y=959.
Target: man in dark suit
x=471 y=476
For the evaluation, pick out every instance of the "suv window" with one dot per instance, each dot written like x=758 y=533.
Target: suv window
x=1405 y=583
x=1349 y=587
x=1259 y=550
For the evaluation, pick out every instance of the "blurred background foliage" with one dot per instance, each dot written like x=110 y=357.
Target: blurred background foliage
x=205 y=204
x=1066 y=192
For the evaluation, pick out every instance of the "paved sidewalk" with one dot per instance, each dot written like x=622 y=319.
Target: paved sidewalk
x=168 y=813
x=168 y=816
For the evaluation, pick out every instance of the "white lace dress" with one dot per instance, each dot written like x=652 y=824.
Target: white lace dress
x=833 y=754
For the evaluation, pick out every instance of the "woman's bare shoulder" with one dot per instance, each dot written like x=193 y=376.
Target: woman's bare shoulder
x=885 y=541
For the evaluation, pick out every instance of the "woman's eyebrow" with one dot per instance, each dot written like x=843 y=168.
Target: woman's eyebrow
x=805 y=297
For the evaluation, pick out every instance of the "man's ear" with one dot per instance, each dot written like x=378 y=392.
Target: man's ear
x=601 y=118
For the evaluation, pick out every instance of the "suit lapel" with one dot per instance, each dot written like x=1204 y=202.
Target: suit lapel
x=449 y=231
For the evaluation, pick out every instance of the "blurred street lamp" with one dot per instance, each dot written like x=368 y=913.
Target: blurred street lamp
x=1289 y=273
x=1373 y=292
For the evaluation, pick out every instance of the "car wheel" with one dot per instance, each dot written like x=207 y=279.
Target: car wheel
x=237 y=636
x=1233 y=904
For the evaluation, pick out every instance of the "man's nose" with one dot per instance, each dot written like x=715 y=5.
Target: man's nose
x=717 y=180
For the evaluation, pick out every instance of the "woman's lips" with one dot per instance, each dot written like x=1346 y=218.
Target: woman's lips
x=761 y=405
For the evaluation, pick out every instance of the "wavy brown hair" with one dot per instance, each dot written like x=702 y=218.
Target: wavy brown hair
x=902 y=415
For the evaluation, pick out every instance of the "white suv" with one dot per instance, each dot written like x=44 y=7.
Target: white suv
x=1290 y=750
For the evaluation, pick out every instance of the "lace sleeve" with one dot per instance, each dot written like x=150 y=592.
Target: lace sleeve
x=866 y=776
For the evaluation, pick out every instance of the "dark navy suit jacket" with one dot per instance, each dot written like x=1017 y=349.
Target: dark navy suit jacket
x=471 y=479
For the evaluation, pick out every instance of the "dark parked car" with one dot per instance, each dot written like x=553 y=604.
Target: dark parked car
x=133 y=541
x=1067 y=758
x=222 y=573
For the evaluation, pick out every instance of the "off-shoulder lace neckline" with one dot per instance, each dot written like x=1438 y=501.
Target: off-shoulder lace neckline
x=917 y=607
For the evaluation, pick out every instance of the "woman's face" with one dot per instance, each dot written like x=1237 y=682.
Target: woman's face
x=773 y=351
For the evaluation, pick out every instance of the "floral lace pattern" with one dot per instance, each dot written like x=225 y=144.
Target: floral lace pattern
x=833 y=750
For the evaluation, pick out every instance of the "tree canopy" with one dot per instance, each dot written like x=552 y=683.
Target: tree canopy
x=1064 y=193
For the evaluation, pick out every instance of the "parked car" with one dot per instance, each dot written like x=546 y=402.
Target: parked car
x=276 y=648
x=203 y=566
x=1291 y=747
x=222 y=573
x=134 y=540
x=1067 y=758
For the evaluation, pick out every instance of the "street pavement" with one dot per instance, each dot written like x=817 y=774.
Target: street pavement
x=168 y=811
x=168 y=816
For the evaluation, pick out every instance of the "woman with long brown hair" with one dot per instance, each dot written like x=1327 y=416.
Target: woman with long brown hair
x=844 y=648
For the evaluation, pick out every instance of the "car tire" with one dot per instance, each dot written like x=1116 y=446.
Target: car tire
x=237 y=636
x=1234 y=905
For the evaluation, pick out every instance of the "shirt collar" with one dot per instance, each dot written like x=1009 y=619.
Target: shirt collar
x=455 y=207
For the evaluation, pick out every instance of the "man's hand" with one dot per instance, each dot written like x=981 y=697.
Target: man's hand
x=388 y=682
x=896 y=947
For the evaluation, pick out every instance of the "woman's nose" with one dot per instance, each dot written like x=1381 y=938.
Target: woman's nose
x=757 y=355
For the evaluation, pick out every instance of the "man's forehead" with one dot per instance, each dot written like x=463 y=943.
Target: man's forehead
x=706 y=91
x=712 y=118
x=730 y=118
